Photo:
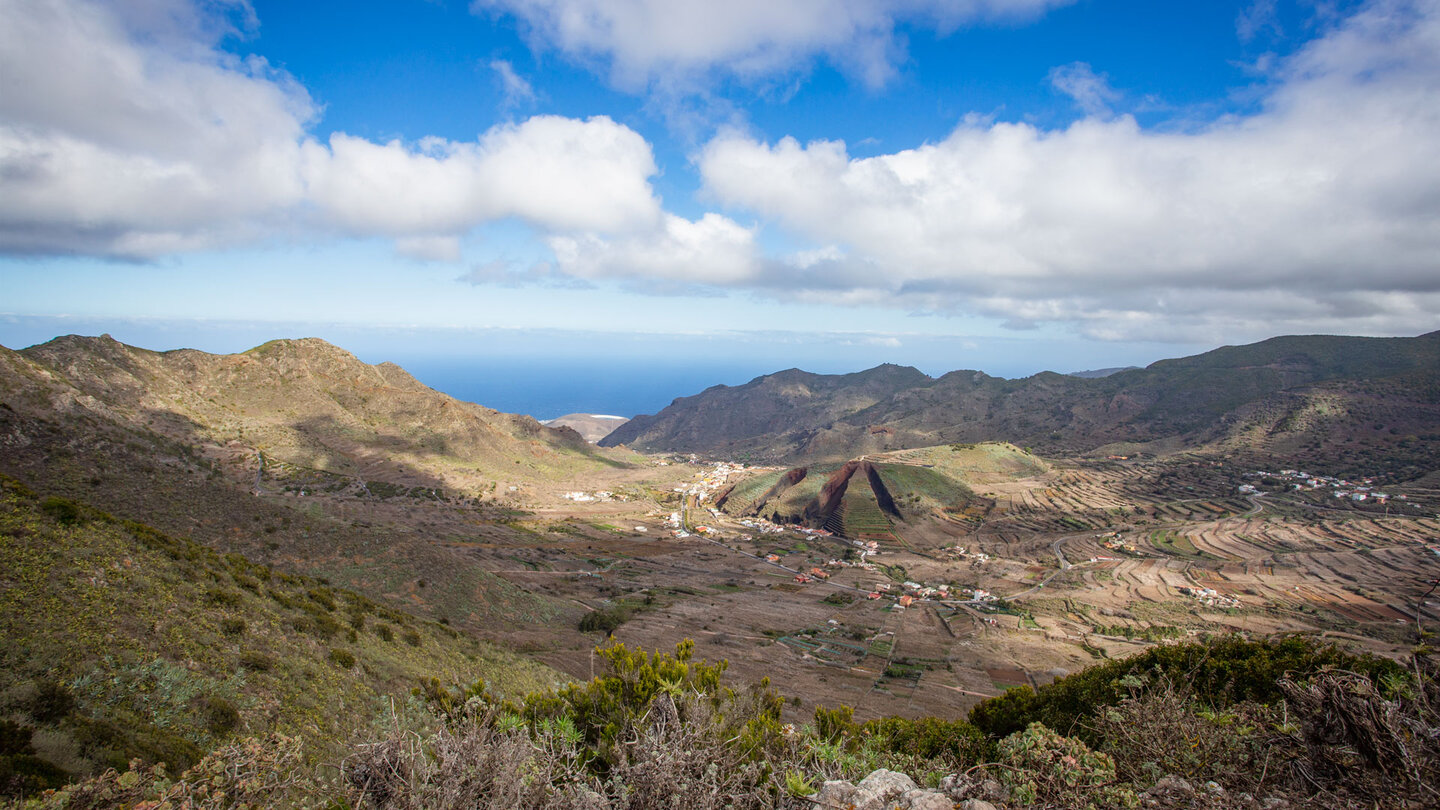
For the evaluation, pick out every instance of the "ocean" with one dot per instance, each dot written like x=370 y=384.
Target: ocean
x=547 y=388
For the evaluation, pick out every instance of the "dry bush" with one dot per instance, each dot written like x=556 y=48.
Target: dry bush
x=472 y=766
x=1358 y=743
x=670 y=762
x=1164 y=730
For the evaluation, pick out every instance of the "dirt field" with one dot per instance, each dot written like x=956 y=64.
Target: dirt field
x=1088 y=560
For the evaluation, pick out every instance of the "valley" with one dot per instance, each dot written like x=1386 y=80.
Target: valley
x=1038 y=573
x=909 y=581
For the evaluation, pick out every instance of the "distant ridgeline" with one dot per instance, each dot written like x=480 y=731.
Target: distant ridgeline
x=1368 y=403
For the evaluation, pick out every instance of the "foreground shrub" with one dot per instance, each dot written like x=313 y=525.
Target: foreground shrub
x=1356 y=741
x=1222 y=672
x=21 y=772
x=252 y=773
x=1164 y=730
x=1045 y=767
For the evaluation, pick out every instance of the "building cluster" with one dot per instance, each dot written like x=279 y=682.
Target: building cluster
x=1114 y=542
x=1211 y=597
x=1301 y=481
x=762 y=526
x=960 y=552
x=706 y=483
x=602 y=496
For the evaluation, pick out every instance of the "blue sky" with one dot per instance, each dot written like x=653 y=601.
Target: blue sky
x=1008 y=185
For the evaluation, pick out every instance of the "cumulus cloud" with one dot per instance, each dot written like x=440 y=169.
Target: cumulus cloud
x=1324 y=207
x=126 y=131
x=643 y=42
x=712 y=250
x=557 y=172
x=106 y=146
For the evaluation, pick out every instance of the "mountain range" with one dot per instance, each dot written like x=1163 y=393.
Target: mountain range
x=1352 y=400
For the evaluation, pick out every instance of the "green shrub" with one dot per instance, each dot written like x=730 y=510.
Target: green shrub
x=1047 y=768
x=323 y=625
x=957 y=742
x=49 y=702
x=384 y=632
x=342 y=658
x=256 y=661
x=220 y=715
x=832 y=725
x=322 y=597
x=232 y=627
x=605 y=621
x=62 y=510
x=1221 y=672
x=21 y=772
x=115 y=744
x=220 y=597
x=412 y=638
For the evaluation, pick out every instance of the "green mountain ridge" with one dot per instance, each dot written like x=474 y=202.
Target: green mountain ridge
x=1240 y=395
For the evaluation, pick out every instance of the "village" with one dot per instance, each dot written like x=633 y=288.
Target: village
x=1300 y=481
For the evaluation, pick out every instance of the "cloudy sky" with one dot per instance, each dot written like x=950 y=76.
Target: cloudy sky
x=1007 y=185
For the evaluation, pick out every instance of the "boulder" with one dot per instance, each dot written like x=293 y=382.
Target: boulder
x=881 y=787
x=926 y=800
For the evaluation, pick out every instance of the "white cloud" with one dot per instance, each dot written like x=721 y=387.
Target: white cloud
x=1328 y=197
x=712 y=250
x=1257 y=18
x=126 y=131
x=679 y=41
x=429 y=248
x=1091 y=91
x=106 y=146
x=517 y=90
x=556 y=172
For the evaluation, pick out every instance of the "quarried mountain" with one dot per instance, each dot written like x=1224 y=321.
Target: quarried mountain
x=1311 y=393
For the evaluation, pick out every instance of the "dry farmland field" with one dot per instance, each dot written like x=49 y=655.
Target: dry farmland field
x=1073 y=561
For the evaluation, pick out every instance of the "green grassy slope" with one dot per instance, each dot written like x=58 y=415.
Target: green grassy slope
x=124 y=642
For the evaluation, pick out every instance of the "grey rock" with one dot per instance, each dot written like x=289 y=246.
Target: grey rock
x=958 y=786
x=835 y=793
x=993 y=790
x=1172 y=786
x=976 y=804
x=926 y=800
x=878 y=790
x=887 y=784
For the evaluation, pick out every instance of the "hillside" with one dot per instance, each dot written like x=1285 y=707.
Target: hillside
x=300 y=402
x=124 y=642
x=297 y=455
x=1374 y=395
